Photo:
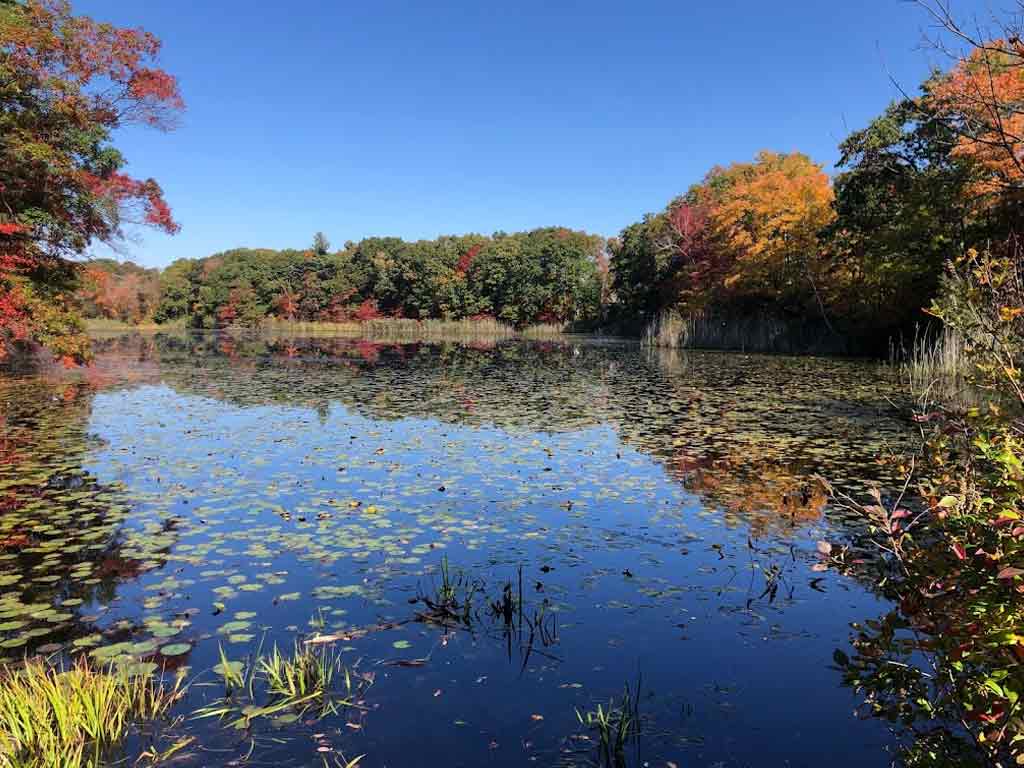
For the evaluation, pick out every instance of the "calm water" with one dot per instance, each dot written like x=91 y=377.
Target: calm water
x=658 y=511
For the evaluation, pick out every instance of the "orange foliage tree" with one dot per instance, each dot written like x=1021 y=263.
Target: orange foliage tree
x=767 y=215
x=982 y=97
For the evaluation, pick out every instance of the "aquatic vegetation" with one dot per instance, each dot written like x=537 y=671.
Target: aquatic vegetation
x=750 y=332
x=546 y=330
x=153 y=757
x=309 y=670
x=52 y=716
x=936 y=368
x=233 y=673
x=616 y=725
x=446 y=519
x=453 y=600
x=288 y=685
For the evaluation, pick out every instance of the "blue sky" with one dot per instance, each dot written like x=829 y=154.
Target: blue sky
x=416 y=119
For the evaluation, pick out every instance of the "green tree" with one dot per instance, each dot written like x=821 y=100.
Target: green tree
x=321 y=245
x=900 y=216
x=540 y=276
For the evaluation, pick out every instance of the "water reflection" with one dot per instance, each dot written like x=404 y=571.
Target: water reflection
x=608 y=515
x=63 y=545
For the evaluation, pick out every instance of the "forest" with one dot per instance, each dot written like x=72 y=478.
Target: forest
x=545 y=276
x=858 y=256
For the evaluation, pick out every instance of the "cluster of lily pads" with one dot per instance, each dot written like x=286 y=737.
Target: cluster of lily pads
x=173 y=513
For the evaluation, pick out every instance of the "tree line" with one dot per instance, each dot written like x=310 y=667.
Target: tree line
x=862 y=253
x=551 y=275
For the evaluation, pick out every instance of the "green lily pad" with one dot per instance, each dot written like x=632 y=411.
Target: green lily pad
x=175 y=649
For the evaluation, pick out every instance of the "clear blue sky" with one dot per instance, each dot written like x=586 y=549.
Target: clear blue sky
x=421 y=118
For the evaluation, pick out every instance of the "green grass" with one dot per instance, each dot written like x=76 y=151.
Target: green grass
x=283 y=685
x=231 y=672
x=308 y=671
x=615 y=725
x=52 y=717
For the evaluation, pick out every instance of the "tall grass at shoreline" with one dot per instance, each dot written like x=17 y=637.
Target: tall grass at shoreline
x=383 y=329
x=68 y=717
x=934 y=366
x=396 y=328
x=101 y=325
x=701 y=330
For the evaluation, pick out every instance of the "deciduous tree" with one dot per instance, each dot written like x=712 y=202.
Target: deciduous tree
x=66 y=82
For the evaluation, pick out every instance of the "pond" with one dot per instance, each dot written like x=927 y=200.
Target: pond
x=486 y=541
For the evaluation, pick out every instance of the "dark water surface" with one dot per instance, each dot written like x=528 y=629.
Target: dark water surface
x=187 y=495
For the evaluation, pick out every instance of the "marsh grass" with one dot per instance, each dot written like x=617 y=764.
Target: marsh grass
x=403 y=329
x=616 y=726
x=310 y=678
x=152 y=756
x=103 y=325
x=702 y=330
x=546 y=331
x=233 y=673
x=935 y=365
x=669 y=330
x=309 y=670
x=454 y=601
x=743 y=331
x=52 y=717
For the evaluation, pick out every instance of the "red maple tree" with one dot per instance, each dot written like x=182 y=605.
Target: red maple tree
x=69 y=81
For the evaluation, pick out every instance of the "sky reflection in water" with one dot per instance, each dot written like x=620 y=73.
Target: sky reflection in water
x=190 y=493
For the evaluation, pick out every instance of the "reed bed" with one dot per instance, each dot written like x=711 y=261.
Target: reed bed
x=400 y=329
x=545 y=331
x=702 y=330
x=103 y=325
x=311 y=679
x=55 y=717
x=935 y=368
x=932 y=356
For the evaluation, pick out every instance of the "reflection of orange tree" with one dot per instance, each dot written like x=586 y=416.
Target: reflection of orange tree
x=747 y=433
x=766 y=493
